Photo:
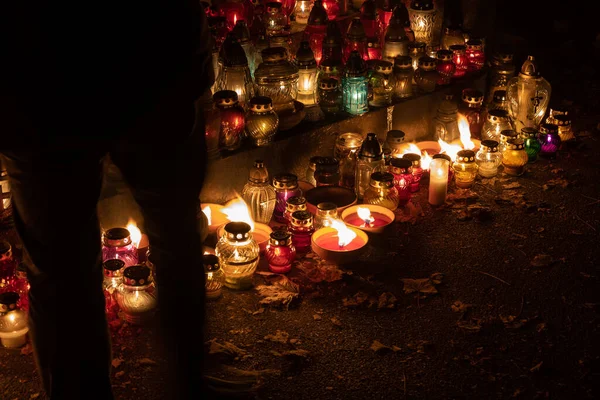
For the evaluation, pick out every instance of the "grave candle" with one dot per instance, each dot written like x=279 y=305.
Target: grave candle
x=438 y=181
x=368 y=217
x=549 y=139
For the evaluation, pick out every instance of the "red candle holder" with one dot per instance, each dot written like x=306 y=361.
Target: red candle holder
x=475 y=55
x=280 y=252
x=459 y=58
x=380 y=217
x=316 y=29
x=445 y=67
x=325 y=242
x=233 y=11
x=332 y=7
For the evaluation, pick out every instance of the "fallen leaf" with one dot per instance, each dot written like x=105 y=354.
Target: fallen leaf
x=459 y=306
x=462 y=194
x=536 y=367
x=511 y=322
x=297 y=353
x=514 y=185
x=119 y=374
x=356 y=300
x=424 y=286
x=226 y=348
x=409 y=213
x=386 y=300
x=436 y=278
x=576 y=233
x=279 y=336
x=250 y=373
x=552 y=183
x=542 y=260
x=540 y=229
x=146 y=361
x=116 y=362
x=379 y=347
x=317 y=317
x=470 y=325
x=318 y=270
x=34 y=396
x=336 y=322
x=282 y=292
x=295 y=341
x=540 y=327
x=259 y=311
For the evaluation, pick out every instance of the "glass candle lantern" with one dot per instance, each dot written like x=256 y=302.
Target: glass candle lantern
x=8 y=265
x=327 y=171
x=514 y=157
x=506 y=136
x=356 y=40
x=564 y=128
x=385 y=11
x=445 y=67
x=381 y=85
x=277 y=78
x=232 y=118
x=302 y=229
x=258 y=194
x=214 y=277
x=422 y=20
x=233 y=11
x=496 y=122
x=261 y=121
x=370 y=21
x=452 y=36
x=471 y=108
x=296 y=203
x=395 y=40
x=117 y=243
x=136 y=295
x=326 y=211
x=234 y=73
x=488 y=159
x=459 y=58
x=333 y=47
x=13 y=321
x=242 y=33
x=556 y=111
x=531 y=142
x=528 y=96
x=499 y=76
x=401 y=169
x=394 y=141
x=403 y=77
x=348 y=170
x=475 y=55
x=444 y=156
x=329 y=96
x=381 y=191
x=238 y=255
x=438 y=181
x=369 y=160
x=113 y=277
x=445 y=123
x=280 y=252
x=465 y=169
x=262 y=42
x=416 y=50
x=302 y=11
x=549 y=140
x=275 y=21
x=333 y=8
x=316 y=30
x=355 y=85
x=307 y=75
x=286 y=186
x=426 y=76
x=498 y=103
x=287 y=7
x=347 y=143
x=417 y=170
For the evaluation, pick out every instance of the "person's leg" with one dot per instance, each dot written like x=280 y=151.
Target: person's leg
x=164 y=164
x=54 y=196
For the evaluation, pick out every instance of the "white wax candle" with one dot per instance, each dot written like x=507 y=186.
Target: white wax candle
x=438 y=181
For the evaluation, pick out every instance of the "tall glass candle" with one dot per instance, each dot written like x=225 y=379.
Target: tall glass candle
x=307 y=71
x=459 y=57
x=302 y=229
x=356 y=40
x=403 y=77
x=355 y=85
x=316 y=29
x=370 y=160
x=422 y=20
x=438 y=181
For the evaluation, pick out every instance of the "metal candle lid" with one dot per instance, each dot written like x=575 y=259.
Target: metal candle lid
x=258 y=173
x=296 y=203
x=355 y=66
x=237 y=231
x=318 y=14
x=280 y=238
x=395 y=137
x=137 y=275
x=474 y=44
x=515 y=144
x=416 y=48
x=427 y=63
x=497 y=116
x=373 y=43
x=327 y=164
x=327 y=207
x=561 y=120
x=528 y=132
x=274 y=54
x=261 y=104
x=489 y=146
x=211 y=263
x=422 y=5
x=458 y=48
x=328 y=84
x=508 y=134
x=356 y=30
x=499 y=96
x=385 y=67
x=285 y=181
x=370 y=148
x=241 y=31
x=401 y=166
x=414 y=158
x=8 y=301
x=472 y=96
x=305 y=58
x=117 y=237
x=443 y=156
x=502 y=57
x=225 y=98
x=444 y=55
x=273 y=7
x=529 y=69
x=382 y=180
x=302 y=218
x=547 y=129
x=403 y=62
x=113 y=268
x=465 y=156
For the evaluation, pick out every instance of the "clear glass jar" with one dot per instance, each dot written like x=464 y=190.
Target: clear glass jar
x=532 y=144
x=355 y=86
x=506 y=136
x=258 y=194
x=333 y=46
x=445 y=67
x=381 y=191
x=564 y=127
x=316 y=30
x=302 y=11
x=416 y=50
x=329 y=96
x=422 y=20
x=459 y=58
x=262 y=122
x=488 y=159
x=214 y=277
x=347 y=143
x=234 y=73
x=117 y=244
x=465 y=169
x=394 y=141
x=275 y=20
x=310 y=170
x=475 y=55
x=401 y=169
x=369 y=160
x=471 y=108
x=307 y=72
x=277 y=78
x=381 y=85
x=13 y=321
x=325 y=213
x=396 y=42
x=302 y=229
x=286 y=186
x=445 y=123
x=514 y=157
x=451 y=37
x=528 y=96
x=280 y=252
x=549 y=140
x=403 y=77
x=327 y=171
x=497 y=121
x=238 y=255
x=242 y=33
x=500 y=74
x=136 y=295
x=417 y=170
x=296 y=203
x=8 y=266
x=356 y=40
x=426 y=76
x=113 y=277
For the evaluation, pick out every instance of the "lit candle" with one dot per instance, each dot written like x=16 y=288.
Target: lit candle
x=438 y=181
x=368 y=217
x=339 y=243
x=13 y=321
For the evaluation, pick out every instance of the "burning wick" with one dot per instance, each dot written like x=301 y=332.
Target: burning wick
x=134 y=233
x=365 y=214
x=345 y=235
x=208 y=213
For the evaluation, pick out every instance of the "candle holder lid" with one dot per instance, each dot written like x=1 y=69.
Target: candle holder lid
x=349 y=140
x=328 y=84
x=422 y=5
x=401 y=165
x=502 y=56
x=547 y=129
x=497 y=115
x=355 y=66
x=370 y=148
x=415 y=48
x=373 y=43
x=465 y=156
x=328 y=67
x=403 y=62
x=529 y=69
x=427 y=63
x=384 y=67
x=356 y=31
x=318 y=14
x=561 y=120
x=474 y=44
x=274 y=54
x=458 y=48
x=414 y=158
x=394 y=137
x=285 y=181
x=327 y=163
x=258 y=173
x=443 y=156
x=528 y=132
x=508 y=134
x=241 y=31
x=382 y=179
x=273 y=7
x=327 y=206
x=237 y=231
x=499 y=96
x=211 y=263
x=296 y=203
x=111 y=266
x=558 y=110
x=302 y=218
x=305 y=58
x=312 y=162
x=225 y=98
x=472 y=96
x=8 y=301
x=368 y=10
x=444 y=55
x=399 y=10
x=280 y=238
x=489 y=146
x=515 y=144
x=261 y=104
x=232 y=53
x=137 y=275
x=117 y=237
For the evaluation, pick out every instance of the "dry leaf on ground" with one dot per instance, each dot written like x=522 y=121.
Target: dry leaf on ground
x=459 y=306
x=318 y=270
x=542 y=260
x=336 y=322
x=293 y=354
x=281 y=292
x=279 y=336
x=225 y=348
x=424 y=286
x=356 y=300
x=386 y=300
x=379 y=347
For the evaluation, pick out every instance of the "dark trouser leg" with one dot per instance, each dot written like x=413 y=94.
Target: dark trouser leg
x=164 y=166
x=54 y=204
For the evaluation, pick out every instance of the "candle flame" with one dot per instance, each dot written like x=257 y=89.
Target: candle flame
x=412 y=148
x=449 y=149
x=234 y=19
x=365 y=214
x=208 y=213
x=345 y=234
x=134 y=232
x=465 y=133
x=237 y=210
x=425 y=160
